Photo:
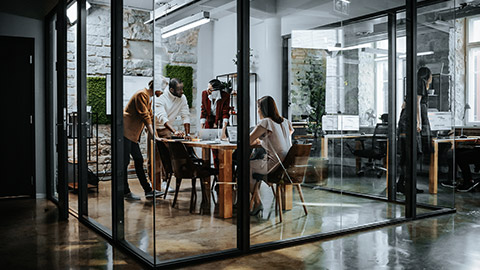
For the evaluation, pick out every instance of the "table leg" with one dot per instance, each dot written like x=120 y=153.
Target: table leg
x=433 y=173
x=324 y=143
x=205 y=184
x=225 y=199
x=287 y=196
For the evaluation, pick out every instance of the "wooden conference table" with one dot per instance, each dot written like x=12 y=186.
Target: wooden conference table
x=225 y=198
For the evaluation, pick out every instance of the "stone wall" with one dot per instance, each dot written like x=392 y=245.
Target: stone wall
x=457 y=67
x=138 y=61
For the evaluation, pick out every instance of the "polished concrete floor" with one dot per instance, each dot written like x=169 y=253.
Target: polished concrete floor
x=32 y=238
x=175 y=232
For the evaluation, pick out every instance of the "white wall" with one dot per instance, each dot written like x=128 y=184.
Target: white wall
x=12 y=25
x=204 y=64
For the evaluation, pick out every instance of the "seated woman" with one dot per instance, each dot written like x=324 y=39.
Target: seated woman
x=273 y=133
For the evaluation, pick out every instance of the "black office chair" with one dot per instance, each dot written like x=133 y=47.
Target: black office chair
x=376 y=153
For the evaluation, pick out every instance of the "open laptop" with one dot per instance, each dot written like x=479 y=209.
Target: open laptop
x=232 y=134
x=209 y=134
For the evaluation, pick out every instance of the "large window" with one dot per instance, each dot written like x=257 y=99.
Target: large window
x=473 y=68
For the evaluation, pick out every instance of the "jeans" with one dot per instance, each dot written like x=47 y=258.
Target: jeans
x=132 y=148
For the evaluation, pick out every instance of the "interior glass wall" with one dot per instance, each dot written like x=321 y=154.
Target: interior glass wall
x=99 y=135
x=331 y=76
x=71 y=115
x=195 y=44
x=138 y=71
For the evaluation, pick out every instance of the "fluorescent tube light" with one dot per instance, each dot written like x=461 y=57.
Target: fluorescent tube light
x=167 y=8
x=333 y=49
x=418 y=54
x=185 y=24
x=72 y=12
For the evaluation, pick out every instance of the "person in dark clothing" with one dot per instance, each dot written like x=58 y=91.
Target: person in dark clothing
x=424 y=79
x=463 y=158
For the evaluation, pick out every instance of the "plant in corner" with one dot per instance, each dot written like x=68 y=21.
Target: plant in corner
x=312 y=81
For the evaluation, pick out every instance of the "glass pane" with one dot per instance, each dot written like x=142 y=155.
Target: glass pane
x=72 y=123
x=195 y=45
x=337 y=91
x=473 y=87
x=138 y=69
x=474 y=29
x=98 y=51
x=435 y=66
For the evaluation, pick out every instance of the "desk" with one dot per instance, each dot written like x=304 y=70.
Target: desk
x=433 y=171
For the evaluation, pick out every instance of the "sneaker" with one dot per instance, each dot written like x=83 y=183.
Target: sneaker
x=131 y=197
x=468 y=186
x=449 y=184
x=164 y=186
x=152 y=193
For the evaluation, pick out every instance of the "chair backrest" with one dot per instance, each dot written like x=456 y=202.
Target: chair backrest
x=165 y=157
x=379 y=139
x=182 y=164
x=295 y=164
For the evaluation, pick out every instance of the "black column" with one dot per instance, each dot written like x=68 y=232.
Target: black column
x=61 y=66
x=243 y=70
x=411 y=110
x=82 y=107
x=392 y=106
x=118 y=172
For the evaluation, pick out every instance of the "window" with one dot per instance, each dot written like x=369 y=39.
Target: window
x=473 y=69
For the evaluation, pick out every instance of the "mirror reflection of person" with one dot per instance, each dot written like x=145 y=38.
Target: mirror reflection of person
x=215 y=110
x=424 y=79
x=274 y=133
x=137 y=115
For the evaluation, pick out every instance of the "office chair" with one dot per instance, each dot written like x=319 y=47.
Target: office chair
x=377 y=152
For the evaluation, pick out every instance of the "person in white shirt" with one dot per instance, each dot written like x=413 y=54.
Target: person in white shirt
x=171 y=104
x=168 y=107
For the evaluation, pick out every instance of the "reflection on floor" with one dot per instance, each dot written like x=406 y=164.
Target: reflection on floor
x=32 y=238
x=180 y=234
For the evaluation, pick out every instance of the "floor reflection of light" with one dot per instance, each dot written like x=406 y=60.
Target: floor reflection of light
x=109 y=257
x=144 y=239
x=330 y=204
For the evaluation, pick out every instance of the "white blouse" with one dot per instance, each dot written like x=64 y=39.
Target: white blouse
x=278 y=140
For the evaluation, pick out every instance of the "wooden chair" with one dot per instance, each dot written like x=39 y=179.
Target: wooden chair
x=184 y=167
x=292 y=172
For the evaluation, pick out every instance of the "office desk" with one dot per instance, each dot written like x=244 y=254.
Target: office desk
x=433 y=171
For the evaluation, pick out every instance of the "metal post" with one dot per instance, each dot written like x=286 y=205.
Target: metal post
x=411 y=110
x=61 y=65
x=392 y=106
x=243 y=69
x=118 y=170
x=82 y=107
x=285 y=97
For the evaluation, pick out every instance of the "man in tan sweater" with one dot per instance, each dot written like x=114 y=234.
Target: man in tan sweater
x=137 y=115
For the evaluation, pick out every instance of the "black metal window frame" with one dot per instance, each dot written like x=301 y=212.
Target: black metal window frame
x=116 y=236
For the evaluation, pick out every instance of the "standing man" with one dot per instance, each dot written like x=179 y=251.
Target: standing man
x=171 y=104
x=168 y=107
x=215 y=110
x=136 y=115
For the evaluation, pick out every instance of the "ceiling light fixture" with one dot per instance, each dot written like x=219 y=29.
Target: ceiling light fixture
x=186 y=24
x=167 y=8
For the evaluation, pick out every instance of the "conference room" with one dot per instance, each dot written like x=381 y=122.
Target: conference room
x=341 y=76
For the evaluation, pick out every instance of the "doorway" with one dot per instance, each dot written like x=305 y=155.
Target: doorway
x=17 y=77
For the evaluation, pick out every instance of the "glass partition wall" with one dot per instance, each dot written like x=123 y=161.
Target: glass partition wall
x=205 y=76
